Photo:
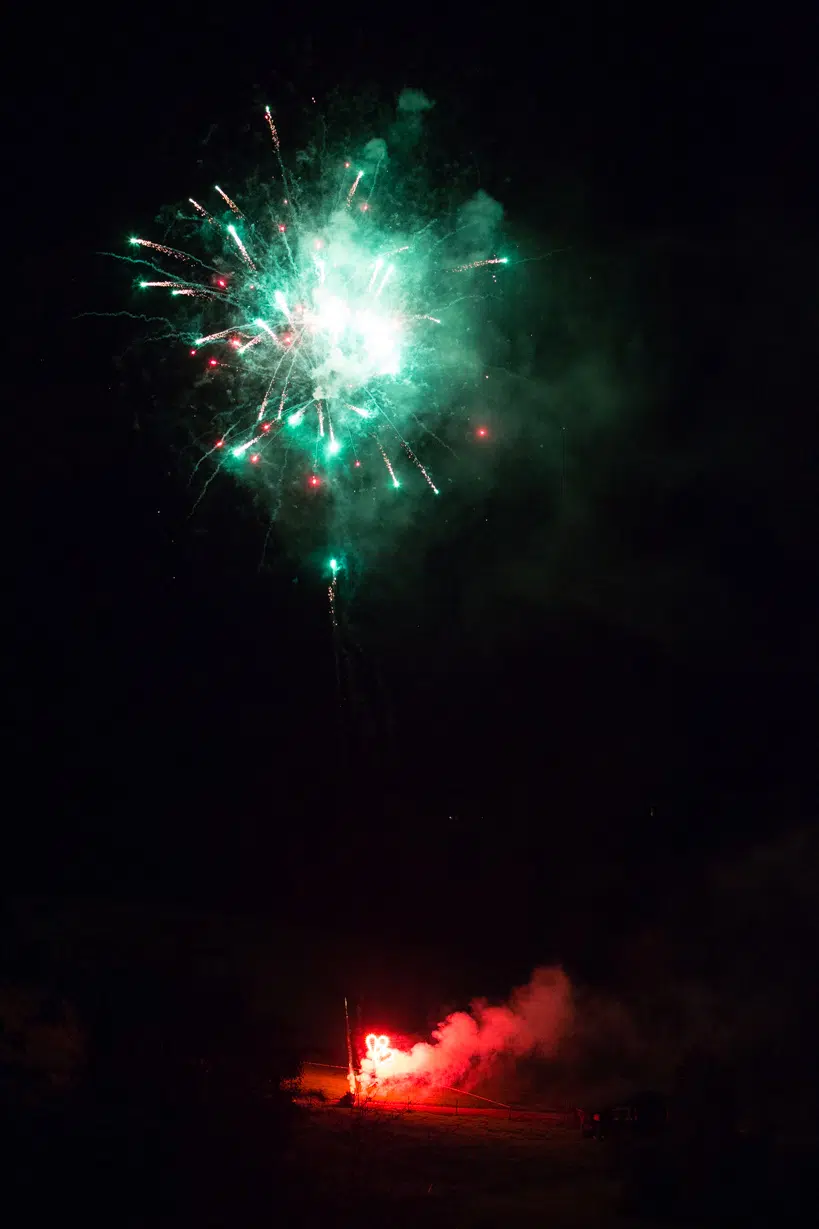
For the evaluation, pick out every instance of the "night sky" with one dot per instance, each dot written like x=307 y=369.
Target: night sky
x=565 y=697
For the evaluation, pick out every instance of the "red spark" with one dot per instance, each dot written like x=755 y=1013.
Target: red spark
x=282 y=227
x=221 y=282
x=358 y=464
x=346 y=166
x=364 y=207
x=212 y=362
x=235 y=342
x=254 y=457
x=315 y=480
x=219 y=444
x=193 y=352
x=482 y=432
x=265 y=426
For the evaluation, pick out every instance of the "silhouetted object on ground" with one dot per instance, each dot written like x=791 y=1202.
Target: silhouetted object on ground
x=643 y=1114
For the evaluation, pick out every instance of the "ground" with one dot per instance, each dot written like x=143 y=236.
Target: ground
x=455 y=1169
x=459 y=1161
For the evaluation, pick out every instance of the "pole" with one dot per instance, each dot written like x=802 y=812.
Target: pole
x=350 y=1072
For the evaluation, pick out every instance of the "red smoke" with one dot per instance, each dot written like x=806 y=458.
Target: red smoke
x=465 y=1045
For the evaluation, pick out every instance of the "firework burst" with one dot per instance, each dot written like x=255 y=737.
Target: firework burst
x=327 y=321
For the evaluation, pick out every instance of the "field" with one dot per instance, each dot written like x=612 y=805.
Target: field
x=439 y=1165
x=464 y=1165
x=459 y=1170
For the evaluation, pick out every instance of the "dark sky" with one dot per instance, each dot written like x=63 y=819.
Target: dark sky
x=597 y=675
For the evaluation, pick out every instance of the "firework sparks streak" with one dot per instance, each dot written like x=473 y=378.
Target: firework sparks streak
x=478 y=264
x=351 y=193
x=231 y=204
x=344 y=298
x=274 y=134
x=331 y=593
x=235 y=237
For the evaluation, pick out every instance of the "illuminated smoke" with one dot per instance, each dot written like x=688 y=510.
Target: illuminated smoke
x=465 y=1046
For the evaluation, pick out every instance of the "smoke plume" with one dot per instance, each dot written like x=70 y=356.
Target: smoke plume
x=412 y=102
x=478 y=223
x=466 y=1045
x=408 y=125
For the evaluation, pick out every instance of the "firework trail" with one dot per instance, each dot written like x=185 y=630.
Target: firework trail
x=331 y=594
x=274 y=134
x=203 y=213
x=332 y=320
x=234 y=236
x=479 y=264
x=231 y=204
x=355 y=184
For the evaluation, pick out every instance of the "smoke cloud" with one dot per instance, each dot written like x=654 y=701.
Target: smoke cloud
x=407 y=127
x=478 y=223
x=466 y=1045
x=374 y=152
x=411 y=102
